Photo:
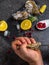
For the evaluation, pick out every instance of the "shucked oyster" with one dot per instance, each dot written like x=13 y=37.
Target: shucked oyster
x=20 y=15
x=31 y=7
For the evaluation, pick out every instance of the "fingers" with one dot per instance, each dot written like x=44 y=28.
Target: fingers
x=14 y=47
x=24 y=40
x=32 y=40
x=21 y=39
x=27 y=40
x=15 y=43
x=23 y=48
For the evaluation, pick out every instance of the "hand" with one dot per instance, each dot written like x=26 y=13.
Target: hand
x=29 y=55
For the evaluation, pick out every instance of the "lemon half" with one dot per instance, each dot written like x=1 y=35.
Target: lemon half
x=26 y=24
x=3 y=25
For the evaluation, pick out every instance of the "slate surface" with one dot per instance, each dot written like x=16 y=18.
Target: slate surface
x=7 y=8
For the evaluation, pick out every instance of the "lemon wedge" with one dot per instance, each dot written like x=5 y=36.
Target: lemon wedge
x=3 y=25
x=26 y=24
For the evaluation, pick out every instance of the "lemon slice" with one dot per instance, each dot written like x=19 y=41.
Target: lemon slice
x=26 y=24
x=3 y=25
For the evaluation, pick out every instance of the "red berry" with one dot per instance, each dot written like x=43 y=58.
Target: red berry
x=41 y=25
x=28 y=34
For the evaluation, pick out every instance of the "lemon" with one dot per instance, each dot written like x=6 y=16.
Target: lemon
x=26 y=24
x=3 y=25
x=43 y=8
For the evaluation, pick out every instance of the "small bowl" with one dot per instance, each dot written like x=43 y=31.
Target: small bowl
x=46 y=23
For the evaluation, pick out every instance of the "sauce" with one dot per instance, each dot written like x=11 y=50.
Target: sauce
x=41 y=25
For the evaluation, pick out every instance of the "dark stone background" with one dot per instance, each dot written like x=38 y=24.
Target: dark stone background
x=7 y=8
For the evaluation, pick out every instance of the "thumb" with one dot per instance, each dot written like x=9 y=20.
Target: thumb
x=23 y=47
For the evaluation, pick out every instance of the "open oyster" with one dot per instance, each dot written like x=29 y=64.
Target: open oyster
x=20 y=15
x=32 y=7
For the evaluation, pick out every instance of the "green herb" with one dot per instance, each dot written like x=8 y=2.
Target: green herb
x=33 y=18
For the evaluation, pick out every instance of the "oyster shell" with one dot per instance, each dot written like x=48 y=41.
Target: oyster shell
x=34 y=46
x=32 y=7
x=20 y=15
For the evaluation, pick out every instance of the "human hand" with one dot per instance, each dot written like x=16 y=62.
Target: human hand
x=29 y=55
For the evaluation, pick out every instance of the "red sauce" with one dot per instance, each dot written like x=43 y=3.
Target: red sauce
x=41 y=25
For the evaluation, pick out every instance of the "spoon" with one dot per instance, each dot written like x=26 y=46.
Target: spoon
x=43 y=24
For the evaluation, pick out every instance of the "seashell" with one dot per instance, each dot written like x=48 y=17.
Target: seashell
x=32 y=7
x=34 y=46
x=20 y=15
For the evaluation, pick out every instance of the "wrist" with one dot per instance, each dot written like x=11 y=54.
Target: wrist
x=40 y=62
x=32 y=63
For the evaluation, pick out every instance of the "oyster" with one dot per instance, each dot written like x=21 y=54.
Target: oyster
x=34 y=46
x=31 y=7
x=20 y=15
